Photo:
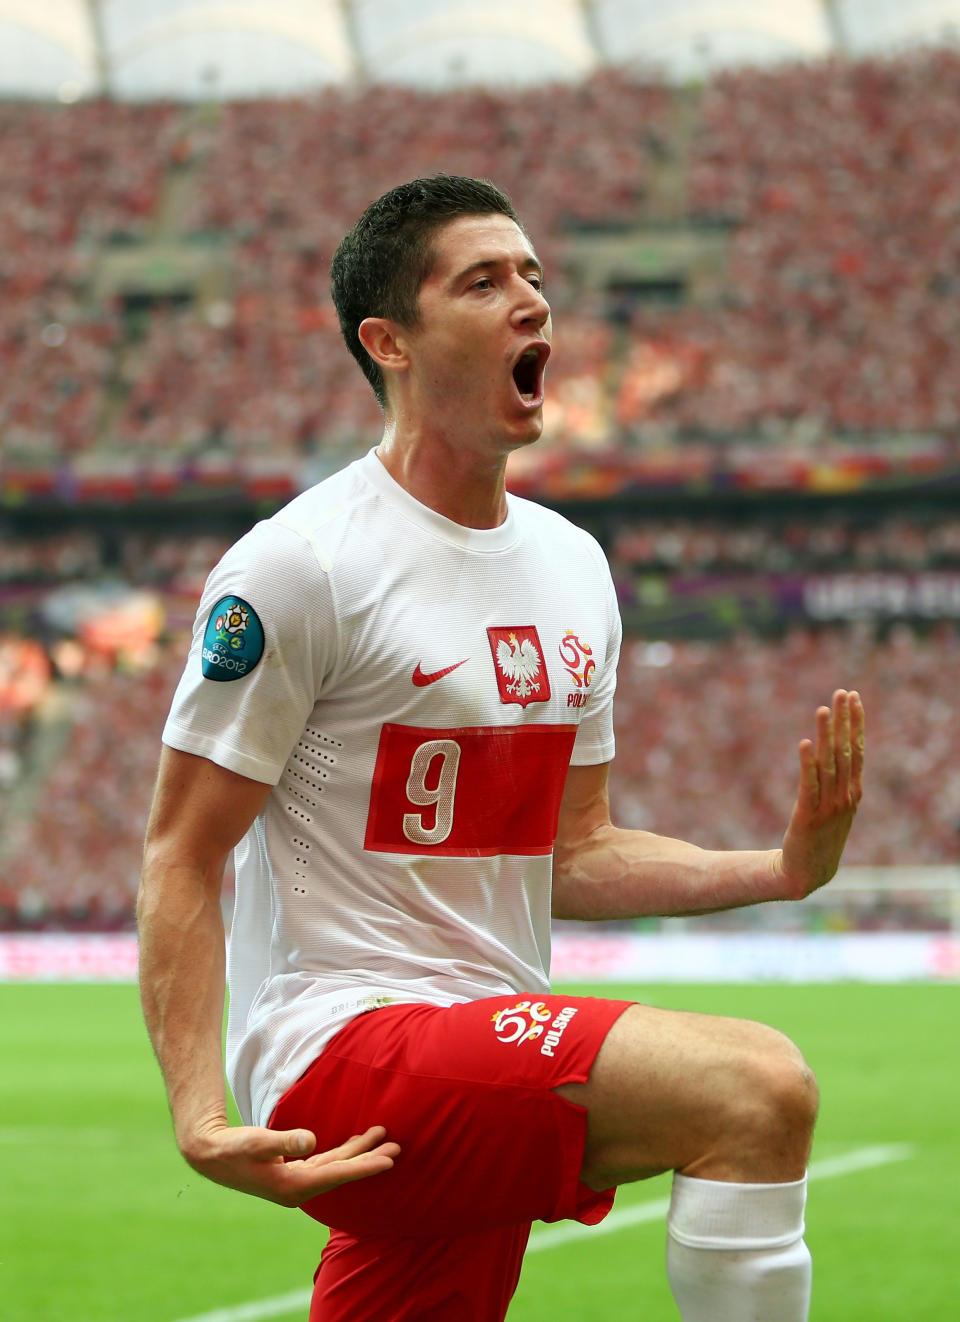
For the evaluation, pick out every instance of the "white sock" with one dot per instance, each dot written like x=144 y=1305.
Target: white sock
x=735 y=1252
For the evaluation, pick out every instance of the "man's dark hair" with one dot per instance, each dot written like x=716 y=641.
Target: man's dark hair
x=380 y=265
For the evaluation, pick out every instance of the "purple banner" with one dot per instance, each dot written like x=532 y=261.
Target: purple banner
x=720 y=602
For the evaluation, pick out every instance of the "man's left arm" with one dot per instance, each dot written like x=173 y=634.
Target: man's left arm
x=604 y=872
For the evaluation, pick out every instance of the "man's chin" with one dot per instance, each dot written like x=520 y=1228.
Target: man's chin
x=526 y=430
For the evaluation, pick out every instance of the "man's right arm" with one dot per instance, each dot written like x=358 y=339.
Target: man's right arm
x=200 y=811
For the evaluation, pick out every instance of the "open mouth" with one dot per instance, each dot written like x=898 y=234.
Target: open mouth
x=528 y=372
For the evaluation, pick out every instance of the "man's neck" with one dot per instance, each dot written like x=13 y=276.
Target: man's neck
x=464 y=487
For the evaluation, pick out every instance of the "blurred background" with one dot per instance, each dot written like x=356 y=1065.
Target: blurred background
x=750 y=220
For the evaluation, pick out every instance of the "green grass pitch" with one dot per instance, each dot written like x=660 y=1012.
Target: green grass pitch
x=100 y=1220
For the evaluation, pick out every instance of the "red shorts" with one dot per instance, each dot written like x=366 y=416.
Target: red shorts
x=486 y=1145
x=396 y=1278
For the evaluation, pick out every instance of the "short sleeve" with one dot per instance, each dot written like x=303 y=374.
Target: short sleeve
x=595 y=737
x=265 y=640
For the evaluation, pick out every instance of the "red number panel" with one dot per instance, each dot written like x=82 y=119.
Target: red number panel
x=468 y=792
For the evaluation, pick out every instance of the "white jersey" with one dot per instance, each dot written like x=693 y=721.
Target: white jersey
x=414 y=691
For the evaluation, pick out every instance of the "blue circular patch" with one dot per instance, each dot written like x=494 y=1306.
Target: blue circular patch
x=232 y=640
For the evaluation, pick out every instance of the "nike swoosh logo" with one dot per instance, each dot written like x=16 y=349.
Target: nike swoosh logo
x=421 y=680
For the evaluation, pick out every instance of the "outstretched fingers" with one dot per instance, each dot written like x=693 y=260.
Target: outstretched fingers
x=831 y=770
x=826 y=752
x=858 y=731
x=848 y=739
x=808 y=795
x=356 y=1151
x=361 y=1156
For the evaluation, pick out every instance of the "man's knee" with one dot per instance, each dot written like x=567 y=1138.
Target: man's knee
x=724 y=1098
x=783 y=1087
x=767 y=1115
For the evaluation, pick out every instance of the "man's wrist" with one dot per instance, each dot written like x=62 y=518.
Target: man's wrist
x=195 y=1135
x=786 y=887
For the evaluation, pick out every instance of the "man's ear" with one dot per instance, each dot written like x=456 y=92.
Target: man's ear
x=385 y=342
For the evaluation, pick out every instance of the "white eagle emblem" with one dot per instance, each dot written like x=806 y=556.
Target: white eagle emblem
x=520 y=664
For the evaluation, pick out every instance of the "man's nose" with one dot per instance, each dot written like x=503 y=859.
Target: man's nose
x=532 y=306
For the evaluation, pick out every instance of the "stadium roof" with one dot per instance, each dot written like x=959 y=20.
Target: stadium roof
x=227 y=48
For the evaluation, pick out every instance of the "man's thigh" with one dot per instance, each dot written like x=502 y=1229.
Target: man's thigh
x=723 y=1098
x=468 y=1092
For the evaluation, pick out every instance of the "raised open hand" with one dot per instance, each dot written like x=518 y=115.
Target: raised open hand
x=831 y=775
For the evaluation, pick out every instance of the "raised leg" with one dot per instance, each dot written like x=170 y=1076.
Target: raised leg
x=729 y=1106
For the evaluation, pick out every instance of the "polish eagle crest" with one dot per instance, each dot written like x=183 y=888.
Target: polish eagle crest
x=519 y=661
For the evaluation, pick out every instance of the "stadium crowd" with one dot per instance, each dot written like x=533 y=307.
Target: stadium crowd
x=839 y=180
x=707 y=738
x=176 y=562
x=74 y=178
x=73 y=862
x=838 y=310
x=824 y=543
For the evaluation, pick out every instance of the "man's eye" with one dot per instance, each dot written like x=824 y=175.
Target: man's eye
x=483 y=283
x=537 y=283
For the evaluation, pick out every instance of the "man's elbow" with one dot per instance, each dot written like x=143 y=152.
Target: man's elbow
x=569 y=900
x=172 y=873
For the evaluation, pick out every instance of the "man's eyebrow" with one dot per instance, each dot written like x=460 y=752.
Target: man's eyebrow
x=492 y=263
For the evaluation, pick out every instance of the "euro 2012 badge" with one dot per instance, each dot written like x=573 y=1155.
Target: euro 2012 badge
x=232 y=641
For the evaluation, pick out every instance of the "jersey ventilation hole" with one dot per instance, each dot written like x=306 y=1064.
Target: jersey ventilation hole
x=310 y=764
x=297 y=793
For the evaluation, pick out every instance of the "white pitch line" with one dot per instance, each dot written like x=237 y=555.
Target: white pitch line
x=279 y=1306
x=860 y=1159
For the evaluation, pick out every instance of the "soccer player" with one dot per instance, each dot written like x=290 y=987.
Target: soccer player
x=397 y=711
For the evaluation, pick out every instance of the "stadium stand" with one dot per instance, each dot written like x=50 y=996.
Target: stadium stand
x=74 y=178
x=832 y=542
x=688 y=712
x=695 y=711
x=831 y=184
x=841 y=308
x=73 y=861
